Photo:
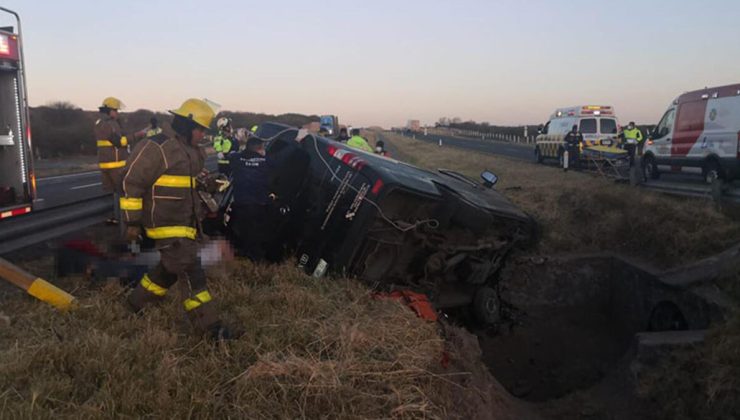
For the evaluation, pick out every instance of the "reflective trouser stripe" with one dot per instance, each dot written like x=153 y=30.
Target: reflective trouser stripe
x=165 y=232
x=131 y=203
x=175 y=181
x=223 y=162
x=104 y=143
x=197 y=300
x=112 y=165
x=152 y=287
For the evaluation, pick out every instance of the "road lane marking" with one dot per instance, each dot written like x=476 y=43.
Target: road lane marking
x=79 y=187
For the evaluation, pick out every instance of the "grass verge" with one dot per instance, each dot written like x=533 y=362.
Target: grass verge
x=312 y=348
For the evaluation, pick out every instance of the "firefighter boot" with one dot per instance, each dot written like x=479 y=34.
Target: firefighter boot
x=146 y=292
x=203 y=317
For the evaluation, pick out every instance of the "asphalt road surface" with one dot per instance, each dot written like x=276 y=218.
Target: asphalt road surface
x=514 y=150
x=59 y=190
x=684 y=184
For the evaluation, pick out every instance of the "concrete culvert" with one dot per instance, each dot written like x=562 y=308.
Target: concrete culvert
x=576 y=318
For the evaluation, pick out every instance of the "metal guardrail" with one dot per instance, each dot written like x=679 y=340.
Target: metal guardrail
x=42 y=225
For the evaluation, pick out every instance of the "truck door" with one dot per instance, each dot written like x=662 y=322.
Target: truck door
x=689 y=127
x=662 y=138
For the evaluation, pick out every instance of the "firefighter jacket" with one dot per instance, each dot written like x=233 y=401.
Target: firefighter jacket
x=222 y=144
x=634 y=134
x=112 y=151
x=159 y=187
x=359 y=143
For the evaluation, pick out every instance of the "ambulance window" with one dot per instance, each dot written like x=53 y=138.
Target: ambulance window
x=665 y=125
x=588 y=126
x=608 y=126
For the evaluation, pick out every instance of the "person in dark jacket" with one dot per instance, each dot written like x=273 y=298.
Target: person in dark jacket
x=250 y=171
x=343 y=136
x=573 y=142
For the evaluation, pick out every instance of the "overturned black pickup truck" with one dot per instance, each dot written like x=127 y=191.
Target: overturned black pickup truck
x=391 y=224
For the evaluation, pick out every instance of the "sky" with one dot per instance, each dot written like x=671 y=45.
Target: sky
x=381 y=62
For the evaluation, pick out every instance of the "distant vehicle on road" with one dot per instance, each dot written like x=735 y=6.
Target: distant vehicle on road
x=17 y=181
x=699 y=133
x=413 y=126
x=329 y=124
x=597 y=123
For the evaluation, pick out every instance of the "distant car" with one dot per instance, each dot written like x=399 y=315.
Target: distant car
x=597 y=123
x=699 y=133
x=393 y=225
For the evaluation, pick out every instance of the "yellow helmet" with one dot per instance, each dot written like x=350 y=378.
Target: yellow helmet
x=196 y=110
x=113 y=103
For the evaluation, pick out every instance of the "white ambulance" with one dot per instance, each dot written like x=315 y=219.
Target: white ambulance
x=699 y=133
x=597 y=123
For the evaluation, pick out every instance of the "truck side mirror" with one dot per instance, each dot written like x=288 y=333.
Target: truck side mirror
x=489 y=179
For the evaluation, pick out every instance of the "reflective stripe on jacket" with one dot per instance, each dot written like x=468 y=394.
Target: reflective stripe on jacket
x=159 y=187
x=111 y=143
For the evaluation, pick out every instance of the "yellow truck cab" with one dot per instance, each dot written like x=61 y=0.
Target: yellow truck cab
x=597 y=123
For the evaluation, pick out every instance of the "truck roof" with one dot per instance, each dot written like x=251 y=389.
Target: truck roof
x=709 y=93
x=397 y=174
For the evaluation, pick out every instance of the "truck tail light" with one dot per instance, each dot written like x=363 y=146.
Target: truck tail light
x=348 y=158
x=4 y=45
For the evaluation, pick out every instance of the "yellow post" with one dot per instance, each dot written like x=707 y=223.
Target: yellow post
x=36 y=286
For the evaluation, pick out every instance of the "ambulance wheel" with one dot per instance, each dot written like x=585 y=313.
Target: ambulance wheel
x=650 y=168
x=486 y=306
x=538 y=155
x=712 y=171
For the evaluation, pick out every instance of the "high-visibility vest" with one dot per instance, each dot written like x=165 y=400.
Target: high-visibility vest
x=634 y=134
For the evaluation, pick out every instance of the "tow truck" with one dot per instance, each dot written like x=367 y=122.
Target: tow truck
x=17 y=179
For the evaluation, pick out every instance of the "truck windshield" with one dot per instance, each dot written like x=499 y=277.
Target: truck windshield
x=326 y=121
x=608 y=126
x=588 y=126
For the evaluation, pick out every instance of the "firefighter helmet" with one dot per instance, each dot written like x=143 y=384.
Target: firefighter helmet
x=113 y=103
x=223 y=122
x=196 y=110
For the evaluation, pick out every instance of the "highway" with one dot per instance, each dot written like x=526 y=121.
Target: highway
x=680 y=184
x=59 y=190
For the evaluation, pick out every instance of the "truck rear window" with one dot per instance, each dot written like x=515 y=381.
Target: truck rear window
x=608 y=126
x=588 y=126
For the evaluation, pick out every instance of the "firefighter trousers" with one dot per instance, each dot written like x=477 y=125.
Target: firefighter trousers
x=178 y=261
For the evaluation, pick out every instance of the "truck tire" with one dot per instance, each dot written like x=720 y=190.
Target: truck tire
x=486 y=306
x=712 y=171
x=538 y=155
x=650 y=168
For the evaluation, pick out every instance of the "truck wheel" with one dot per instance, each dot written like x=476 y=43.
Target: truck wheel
x=538 y=155
x=650 y=168
x=486 y=306
x=712 y=171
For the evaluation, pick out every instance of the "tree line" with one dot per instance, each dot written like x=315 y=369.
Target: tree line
x=62 y=129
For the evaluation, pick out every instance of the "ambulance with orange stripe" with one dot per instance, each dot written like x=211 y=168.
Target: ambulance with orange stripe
x=699 y=133
x=597 y=123
x=17 y=182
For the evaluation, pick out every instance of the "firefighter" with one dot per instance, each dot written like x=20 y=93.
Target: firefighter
x=153 y=129
x=358 y=142
x=112 y=150
x=252 y=199
x=158 y=187
x=573 y=143
x=632 y=140
x=223 y=143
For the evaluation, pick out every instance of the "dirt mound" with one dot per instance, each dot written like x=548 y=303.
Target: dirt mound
x=311 y=348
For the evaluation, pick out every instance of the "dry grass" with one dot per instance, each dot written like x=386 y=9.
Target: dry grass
x=579 y=212
x=312 y=348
